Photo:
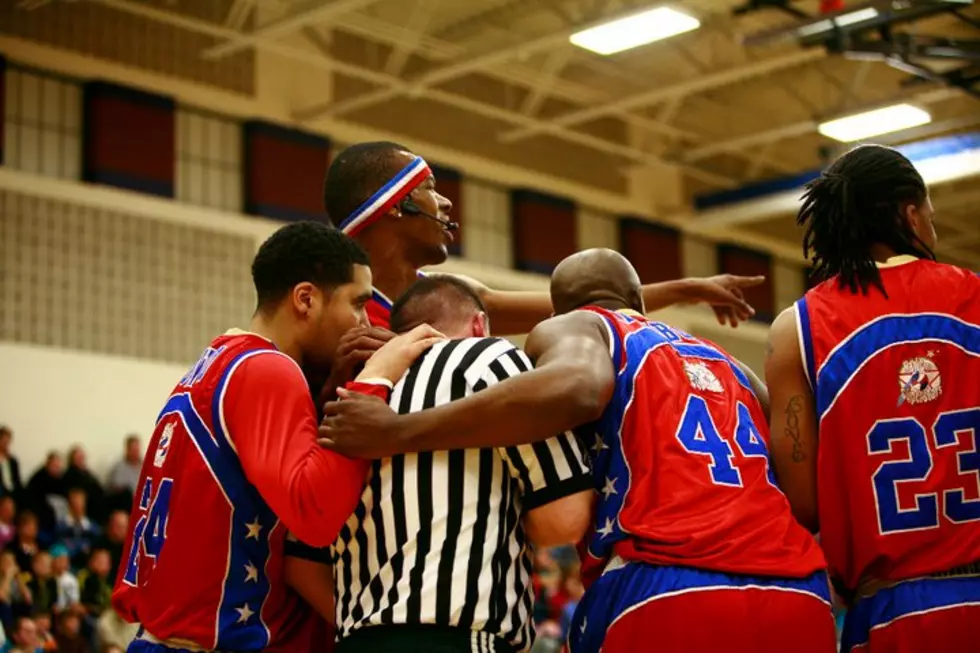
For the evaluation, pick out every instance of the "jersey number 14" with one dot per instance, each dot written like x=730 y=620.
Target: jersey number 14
x=150 y=531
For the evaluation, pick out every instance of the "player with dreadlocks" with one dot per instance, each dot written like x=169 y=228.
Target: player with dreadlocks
x=874 y=378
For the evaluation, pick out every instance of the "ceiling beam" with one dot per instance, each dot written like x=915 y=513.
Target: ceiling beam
x=451 y=99
x=688 y=87
x=733 y=145
x=468 y=65
x=315 y=12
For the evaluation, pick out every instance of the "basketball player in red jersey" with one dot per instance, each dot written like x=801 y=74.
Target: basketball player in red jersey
x=694 y=548
x=875 y=383
x=233 y=461
x=385 y=197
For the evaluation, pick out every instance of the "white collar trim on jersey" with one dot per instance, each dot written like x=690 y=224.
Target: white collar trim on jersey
x=895 y=261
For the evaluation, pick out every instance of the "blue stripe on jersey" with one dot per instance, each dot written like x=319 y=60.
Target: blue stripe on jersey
x=806 y=335
x=609 y=457
x=620 y=590
x=908 y=598
x=246 y=588
x=841 y=366
x=227 y=473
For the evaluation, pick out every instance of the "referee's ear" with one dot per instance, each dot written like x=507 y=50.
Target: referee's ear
x=481 y=325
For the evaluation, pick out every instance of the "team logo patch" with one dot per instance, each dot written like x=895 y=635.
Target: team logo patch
x=163 y=448
x=701 y=377
x=919 y=380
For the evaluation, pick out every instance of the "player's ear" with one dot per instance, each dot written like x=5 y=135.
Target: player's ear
x=304 y=297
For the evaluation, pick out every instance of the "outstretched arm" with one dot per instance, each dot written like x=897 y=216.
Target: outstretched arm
x=793 y=421
x=571 y=385
x=518 y=312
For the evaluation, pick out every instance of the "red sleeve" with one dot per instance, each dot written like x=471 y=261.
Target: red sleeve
x=270 y=418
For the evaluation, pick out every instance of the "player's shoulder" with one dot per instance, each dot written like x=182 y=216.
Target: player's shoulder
x=264 y=365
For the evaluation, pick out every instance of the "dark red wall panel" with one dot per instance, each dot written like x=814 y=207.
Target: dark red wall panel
x=284 y=172
x=449 y=184
x=653 y=249
x=3 y=100
x=129 y=139
x=746 y=262
x=544 y=230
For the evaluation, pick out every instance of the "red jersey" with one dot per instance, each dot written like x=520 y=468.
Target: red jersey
x=232 y=463
x=681 y=462
x=379 y=310
x=896 y=381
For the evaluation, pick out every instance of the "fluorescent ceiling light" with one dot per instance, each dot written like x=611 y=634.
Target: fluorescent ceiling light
x=827 y=24
x=874 y=123
x=856 y=17
x=634 y=31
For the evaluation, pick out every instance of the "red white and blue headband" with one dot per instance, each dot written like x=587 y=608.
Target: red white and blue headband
x=393 y=192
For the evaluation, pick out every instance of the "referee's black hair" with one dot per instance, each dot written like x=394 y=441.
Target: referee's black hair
x=357 y=173
x=858 y=202
x=430 y=298
x=303 y=251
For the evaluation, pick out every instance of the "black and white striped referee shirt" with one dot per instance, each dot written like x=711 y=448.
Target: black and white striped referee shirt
x=437 y=536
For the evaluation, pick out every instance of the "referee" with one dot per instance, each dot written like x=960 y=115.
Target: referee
x=436 y=556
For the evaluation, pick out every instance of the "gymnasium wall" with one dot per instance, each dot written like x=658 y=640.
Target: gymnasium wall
x=124 y=253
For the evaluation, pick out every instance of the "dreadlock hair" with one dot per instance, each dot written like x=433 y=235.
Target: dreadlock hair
x=357 y=173
x=857 y=202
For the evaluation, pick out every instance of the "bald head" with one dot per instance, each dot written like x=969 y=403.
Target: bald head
x=596 y=277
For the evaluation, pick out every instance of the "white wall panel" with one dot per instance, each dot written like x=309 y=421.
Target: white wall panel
x=787 y=282
x=700 y=257
x=487 y=225
x=208 y=155
x=42 y=115
x=595 y=229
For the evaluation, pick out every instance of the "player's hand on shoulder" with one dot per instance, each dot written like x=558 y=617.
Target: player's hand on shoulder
x=725 y=294
x=360 y=426
x=355 y=348
x=393 y=359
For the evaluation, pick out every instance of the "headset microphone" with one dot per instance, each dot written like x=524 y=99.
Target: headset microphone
x=411 y=208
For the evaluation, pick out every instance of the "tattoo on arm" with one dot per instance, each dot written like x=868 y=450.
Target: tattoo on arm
x=792 y=431
x=769 y=348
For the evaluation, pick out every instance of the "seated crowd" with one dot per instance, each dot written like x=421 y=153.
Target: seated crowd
x=61 y=541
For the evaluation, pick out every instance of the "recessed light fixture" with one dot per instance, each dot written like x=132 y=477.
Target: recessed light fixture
x=634 y=31
x=874 y=123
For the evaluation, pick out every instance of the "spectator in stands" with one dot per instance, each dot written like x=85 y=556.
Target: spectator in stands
x=125 y=475
x=78 y=475
x=47 y=489
x=117 y=528
x=68 y=591
x=42 y=586
x=13 y=589
x=42 y=621
x=96 y=587
x=574 y=590
x=113 y=629
x=27 y=540
x=69 y=635
x=75 y=530
x=23 y=637
x=8 y=511
x=10 y=483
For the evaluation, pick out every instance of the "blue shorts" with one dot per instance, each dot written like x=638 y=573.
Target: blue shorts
x=682 y=609
x=927 y=614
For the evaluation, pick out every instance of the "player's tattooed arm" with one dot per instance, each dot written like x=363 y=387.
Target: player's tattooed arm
x=792 y=429
x=793 y=422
